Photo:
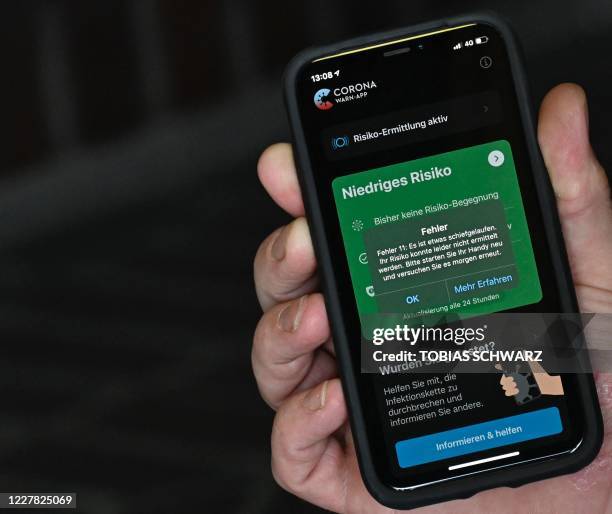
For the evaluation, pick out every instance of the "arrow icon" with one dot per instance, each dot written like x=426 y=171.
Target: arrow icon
x=496 y=158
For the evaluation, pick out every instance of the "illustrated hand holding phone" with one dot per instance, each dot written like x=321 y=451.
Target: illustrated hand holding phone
x=515 y=384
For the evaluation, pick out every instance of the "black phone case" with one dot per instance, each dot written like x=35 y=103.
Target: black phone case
x=466 y=486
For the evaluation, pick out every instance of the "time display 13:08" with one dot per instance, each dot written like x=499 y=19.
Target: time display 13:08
x=325 y=75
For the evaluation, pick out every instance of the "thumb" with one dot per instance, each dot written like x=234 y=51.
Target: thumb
x=582 y=192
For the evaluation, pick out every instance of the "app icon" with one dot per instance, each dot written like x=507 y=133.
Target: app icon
x=322 y=99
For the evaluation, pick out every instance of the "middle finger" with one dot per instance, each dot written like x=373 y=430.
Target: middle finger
x=285 y=265
x=290 y=348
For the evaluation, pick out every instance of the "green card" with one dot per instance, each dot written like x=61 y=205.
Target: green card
x=442 y=234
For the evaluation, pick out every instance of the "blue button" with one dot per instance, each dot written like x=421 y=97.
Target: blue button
x=478 y=437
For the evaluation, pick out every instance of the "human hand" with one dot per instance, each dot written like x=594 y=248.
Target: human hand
x=293 y=358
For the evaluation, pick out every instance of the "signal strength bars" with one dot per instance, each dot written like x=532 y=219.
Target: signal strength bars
x=470 y=42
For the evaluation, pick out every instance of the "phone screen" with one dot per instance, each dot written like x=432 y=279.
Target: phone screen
x=424 y=179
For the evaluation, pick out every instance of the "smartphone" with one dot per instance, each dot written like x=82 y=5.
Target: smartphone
x=401 y=138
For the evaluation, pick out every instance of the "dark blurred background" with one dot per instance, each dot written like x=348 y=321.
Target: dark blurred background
x=129 y=216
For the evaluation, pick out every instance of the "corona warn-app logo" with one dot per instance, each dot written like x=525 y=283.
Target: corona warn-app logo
x=325 y=98
x=322 y=99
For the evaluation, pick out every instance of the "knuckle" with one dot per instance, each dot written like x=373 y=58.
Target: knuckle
x=261 y=255
x=257 y=359
x=260 y=354
x=261 y=334
x=263 y=272
x=283 y=478
x=277 y=473
x=283 y=438
x=281 y=453
x=268 y=359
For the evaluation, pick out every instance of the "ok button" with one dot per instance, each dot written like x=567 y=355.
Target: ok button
x=412 y=299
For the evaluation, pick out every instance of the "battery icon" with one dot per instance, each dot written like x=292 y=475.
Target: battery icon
x=481 y=40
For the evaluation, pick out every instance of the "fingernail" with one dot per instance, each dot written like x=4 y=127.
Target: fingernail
x=315 y=399
x=289 y=318
x=279 y=244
